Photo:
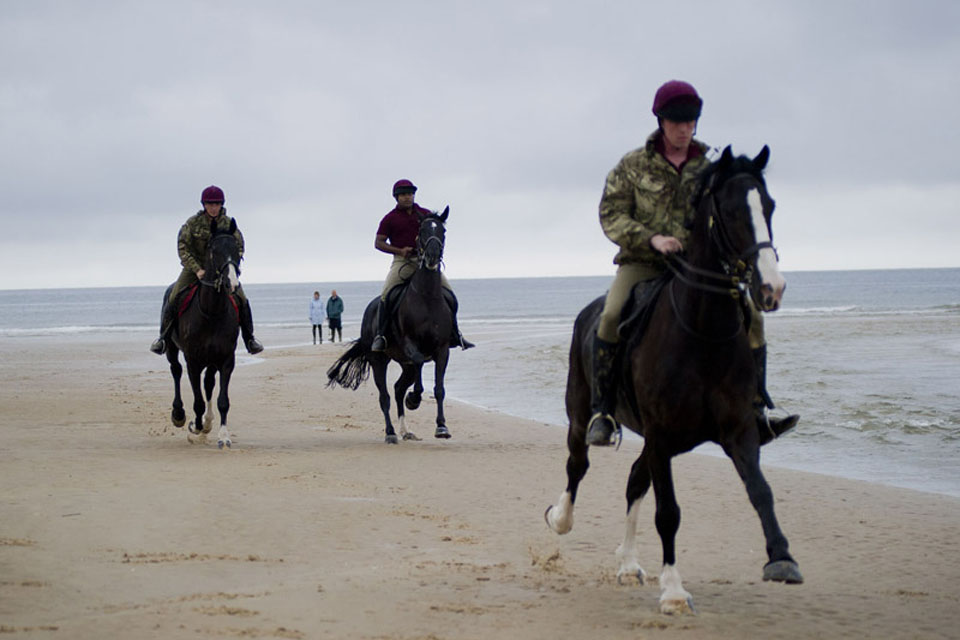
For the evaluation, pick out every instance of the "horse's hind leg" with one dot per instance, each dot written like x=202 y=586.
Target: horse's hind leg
x=193 y=373
x=674 y=599
x=413 y=399
x=408 y=375
x=781 y=567
x=627 y=553
x=209 y=382
x=177 y=414
x=380 y=379
x=223 y=404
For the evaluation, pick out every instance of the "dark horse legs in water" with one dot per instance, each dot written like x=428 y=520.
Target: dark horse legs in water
x=691 y=378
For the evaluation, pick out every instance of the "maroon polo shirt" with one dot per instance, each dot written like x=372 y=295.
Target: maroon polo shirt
x=400 y=227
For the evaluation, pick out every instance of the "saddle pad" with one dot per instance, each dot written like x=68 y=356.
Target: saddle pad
x=188 y=298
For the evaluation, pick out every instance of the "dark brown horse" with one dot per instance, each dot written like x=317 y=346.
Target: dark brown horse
x=420 y=331
x=207 y=334
x=690 y=378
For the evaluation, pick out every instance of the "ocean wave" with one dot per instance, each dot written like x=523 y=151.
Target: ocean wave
x=73 y=330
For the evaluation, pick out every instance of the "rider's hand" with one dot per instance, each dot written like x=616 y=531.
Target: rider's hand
x=200 y=274
x=405 y=252
x=665 y=244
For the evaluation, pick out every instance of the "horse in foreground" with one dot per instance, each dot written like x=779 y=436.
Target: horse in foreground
x=690 y=377
x=206 y=333
x=419 y=331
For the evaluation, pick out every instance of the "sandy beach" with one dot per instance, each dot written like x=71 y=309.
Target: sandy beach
x=112 y=525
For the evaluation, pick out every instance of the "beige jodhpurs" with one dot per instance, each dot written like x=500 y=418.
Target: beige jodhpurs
x=628 y=276
x=401 y=270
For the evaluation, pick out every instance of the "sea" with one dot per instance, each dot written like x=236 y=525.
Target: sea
x=870 y=359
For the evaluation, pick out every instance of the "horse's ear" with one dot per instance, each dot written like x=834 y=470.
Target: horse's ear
x=446 y=212
x=213 y=226
x=726 y=158
x=233 y=226
x=761 y=160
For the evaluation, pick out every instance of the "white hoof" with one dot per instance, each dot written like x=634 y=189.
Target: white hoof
x=559 y=517
x=630 y=568
x=674 y=599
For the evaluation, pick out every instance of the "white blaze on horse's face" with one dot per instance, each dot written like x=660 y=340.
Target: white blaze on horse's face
x=772 y=283
x=232 y=277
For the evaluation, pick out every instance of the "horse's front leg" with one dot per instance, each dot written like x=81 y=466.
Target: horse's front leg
x=439 y=392
x=223 y=403
x=674 y=599
x=194 y=372
x=408 y=375
x=177 y=414
x=380 y=379
x=627 y=553
x=209 y=382
x=780 y=567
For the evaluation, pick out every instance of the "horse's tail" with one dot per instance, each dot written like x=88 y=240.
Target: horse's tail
x=350 y=369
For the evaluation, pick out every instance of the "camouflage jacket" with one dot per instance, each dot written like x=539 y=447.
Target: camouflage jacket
x=193 y=237
x=645 y=195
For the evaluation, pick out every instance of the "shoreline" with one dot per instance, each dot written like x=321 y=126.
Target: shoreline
x=112 y=525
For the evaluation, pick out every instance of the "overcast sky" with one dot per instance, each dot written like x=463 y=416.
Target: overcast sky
x=115 y=115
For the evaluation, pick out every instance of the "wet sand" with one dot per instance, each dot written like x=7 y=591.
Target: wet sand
x=112 y=525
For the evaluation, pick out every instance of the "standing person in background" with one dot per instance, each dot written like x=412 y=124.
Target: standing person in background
x=334 y=311
x=316 y=316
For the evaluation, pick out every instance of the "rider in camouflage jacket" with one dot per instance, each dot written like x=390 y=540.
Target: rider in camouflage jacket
x=646 y=200
x=192 y=247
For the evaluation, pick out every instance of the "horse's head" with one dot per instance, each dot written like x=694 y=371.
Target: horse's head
x=430 y=239
x=736 y=208
x=223 y=257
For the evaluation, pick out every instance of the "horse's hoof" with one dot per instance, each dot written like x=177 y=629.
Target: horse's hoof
x=412 y=403
x=783 y=571
x=219 y=444
x=410 y=436
x=391 y=439
x=442 y=432
x=678 y=606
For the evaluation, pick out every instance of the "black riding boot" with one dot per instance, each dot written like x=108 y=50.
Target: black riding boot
x=456 y=338
x=159 y=345
x=769 y=428
x=246 y=329
x=380 y=341
x=603 y=395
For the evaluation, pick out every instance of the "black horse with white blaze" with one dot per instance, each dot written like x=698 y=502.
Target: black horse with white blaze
x=206 y=333
x=420 y=331
x=690 y=377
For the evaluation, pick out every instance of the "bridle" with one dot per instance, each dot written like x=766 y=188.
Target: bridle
x=738 y=266
x=423 y=245
x=218 y=282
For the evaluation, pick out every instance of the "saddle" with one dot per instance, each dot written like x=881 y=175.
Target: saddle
x=187 y=296
x=636 y=313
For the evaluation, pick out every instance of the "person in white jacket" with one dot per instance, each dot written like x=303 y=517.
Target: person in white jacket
x=316 y=317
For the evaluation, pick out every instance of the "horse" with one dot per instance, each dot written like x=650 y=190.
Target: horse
x=419 y=331
x=690 y=377
x=206 y=333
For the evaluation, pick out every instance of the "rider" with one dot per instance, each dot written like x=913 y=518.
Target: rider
x=192 y=246
x=644 y=203
x=397 y=235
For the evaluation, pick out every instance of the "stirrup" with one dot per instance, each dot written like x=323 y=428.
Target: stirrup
x=159 y=346
x=379 y=344
x=254 y=346
x=601 y=430
x=464 y=343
